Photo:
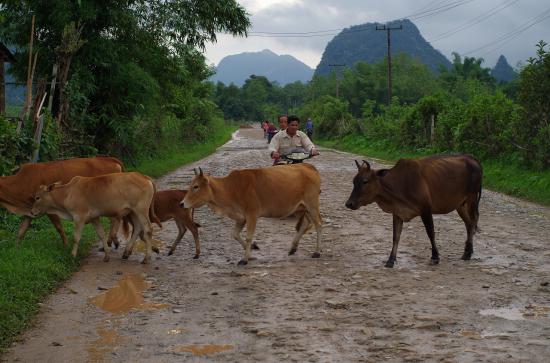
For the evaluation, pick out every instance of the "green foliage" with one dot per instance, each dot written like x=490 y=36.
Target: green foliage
x=532 y=131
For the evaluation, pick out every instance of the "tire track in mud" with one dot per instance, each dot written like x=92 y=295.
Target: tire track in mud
x=344 y=306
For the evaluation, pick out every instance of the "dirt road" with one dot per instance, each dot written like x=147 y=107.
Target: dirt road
x=342 y=307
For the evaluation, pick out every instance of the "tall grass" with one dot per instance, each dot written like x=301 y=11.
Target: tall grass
x=502 y=176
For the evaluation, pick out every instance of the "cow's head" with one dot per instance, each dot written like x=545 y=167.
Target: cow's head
x=366 y=186
x=199 y=192
x=43 y=201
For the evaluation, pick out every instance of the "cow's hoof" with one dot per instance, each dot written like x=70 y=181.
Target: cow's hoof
x=242 y=262
x=389 y=264
x=292 y=251
x=106 y=258
x=255 y=246
x=145 y=261
x=155 y=250
x=434 y=261
x=315 y=255
x=101 y=249
x=170 y=253
x=195 y=257
x=466 y=256
x=125 y=256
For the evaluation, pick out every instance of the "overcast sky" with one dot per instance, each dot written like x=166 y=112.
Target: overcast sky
x=473 y=24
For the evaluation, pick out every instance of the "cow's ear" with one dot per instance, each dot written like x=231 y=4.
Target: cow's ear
x=366 y=164
x=358 y=165
x=51 y=187
x=43 y=188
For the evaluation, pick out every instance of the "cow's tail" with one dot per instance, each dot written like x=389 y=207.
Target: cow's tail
x=152 y=216
x=479 y=195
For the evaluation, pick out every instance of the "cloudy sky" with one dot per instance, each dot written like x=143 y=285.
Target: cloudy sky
x=480 y=28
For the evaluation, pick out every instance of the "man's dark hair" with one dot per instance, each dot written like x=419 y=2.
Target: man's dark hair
x=282 y=115
x=293 y=118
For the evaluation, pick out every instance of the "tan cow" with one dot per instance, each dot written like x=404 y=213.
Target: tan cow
x=421 y=187
x=85 y=199
x=274 y=192
x=17 y=191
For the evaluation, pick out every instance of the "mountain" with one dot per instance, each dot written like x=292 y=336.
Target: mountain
x=364 y=43
x=281 y=68
x=503 y=72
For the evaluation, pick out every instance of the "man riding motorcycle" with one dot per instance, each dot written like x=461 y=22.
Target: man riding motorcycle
x=287 y=140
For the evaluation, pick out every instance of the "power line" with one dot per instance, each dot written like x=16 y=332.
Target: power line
x=478 y=19
x=388 y=32
x=495 y=44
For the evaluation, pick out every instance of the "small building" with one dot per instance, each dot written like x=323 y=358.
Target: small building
x=5 y=56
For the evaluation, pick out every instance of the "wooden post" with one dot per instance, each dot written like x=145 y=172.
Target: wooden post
x=52 y=88
x=432 y=128
x=38 y=130
x=2 y=89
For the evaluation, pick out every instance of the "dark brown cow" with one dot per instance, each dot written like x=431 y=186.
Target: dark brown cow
x=17 y=191
x=167 y=207
x=422 y=187
x=274 y=192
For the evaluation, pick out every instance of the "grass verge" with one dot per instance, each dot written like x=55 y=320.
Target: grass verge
x=31 y=271
x=498 y=175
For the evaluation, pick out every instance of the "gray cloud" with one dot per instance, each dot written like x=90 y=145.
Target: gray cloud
x=310 y=16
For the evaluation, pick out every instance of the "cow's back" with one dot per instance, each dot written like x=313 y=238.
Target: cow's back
x=18 y=190
x=440 y=182
x=107 y=194
x=275 y=190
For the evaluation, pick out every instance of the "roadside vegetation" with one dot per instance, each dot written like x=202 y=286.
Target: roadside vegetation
x=132 y=84
x=459 y=110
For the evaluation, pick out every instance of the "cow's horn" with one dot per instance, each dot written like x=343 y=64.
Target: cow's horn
x=366 y=163
x=195 y=171
x=357 y=163
x=200 y=170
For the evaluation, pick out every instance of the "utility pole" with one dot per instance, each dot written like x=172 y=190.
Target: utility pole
x=388 y=30
x=337 y=79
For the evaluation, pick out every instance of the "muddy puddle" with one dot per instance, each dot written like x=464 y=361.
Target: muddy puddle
x=125 y=296
x=202 y=350
x=106 y=343
x=510 y=313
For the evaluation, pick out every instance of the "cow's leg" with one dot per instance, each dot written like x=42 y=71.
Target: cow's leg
x=465 y=212
x=136 y=230
x=77 y=233
x=301 y=227
x=397 y=228
x=195 y=231
x=113 y=231
x=181 y=232
x=56 y=221
x=101 y=234
x=428 y=221
x=250 y=229
x=25 y=223
x=312 y=208
x=148 y=234
x=236 y=233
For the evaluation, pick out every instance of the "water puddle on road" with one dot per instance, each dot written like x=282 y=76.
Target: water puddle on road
x=201 y=350
x=529 y=312
x=125 y=296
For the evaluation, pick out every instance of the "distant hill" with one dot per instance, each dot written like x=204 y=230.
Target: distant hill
x=503 y=72
x=365 y=43
x=281 y=68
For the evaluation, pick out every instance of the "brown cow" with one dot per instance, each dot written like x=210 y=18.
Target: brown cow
x=85 y=199
x=422 y=187
x=167 y=207
x=275 y=192
x=17 y=191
